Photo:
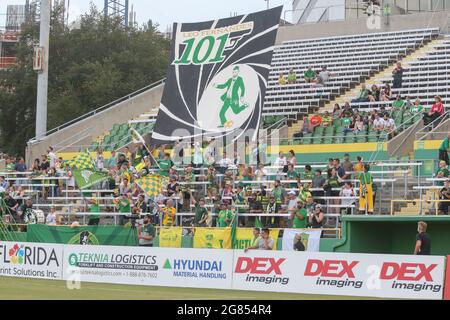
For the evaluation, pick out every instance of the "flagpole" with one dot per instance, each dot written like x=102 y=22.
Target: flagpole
x=141 y=140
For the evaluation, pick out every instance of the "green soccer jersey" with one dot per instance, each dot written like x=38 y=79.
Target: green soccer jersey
x=441 y=173
x=292 y=175
x=125 y=206
x=224 y=218
x=346 y=122
x=297 y=222
x=165 y=166
x=309 y=74
x=445 y=145
x=94 y=208
x=278 y=193
x=416 y=109
x=199 y=212
x=398 y=103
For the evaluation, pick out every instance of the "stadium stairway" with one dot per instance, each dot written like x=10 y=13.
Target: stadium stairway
x=415 y=207
x=377 y=77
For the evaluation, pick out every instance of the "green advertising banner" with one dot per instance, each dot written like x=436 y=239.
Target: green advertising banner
x=86 y=235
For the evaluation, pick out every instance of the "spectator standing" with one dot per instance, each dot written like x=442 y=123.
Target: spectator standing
x=327 y=120
x=366 y=191
x=347 y=192
x=112 y=161
x=316 y=120
x=52 y=157
x=442 y=172
x=423 y=240
x=265 y=242
x=397 y=74
x=299 y=216
x=444 y=194
x=292 y=159
x=316 y=218
x=337 y=112
x=146 y=232
x=444 y=148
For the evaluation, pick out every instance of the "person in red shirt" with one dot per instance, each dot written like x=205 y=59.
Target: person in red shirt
x=316 y=120
x=435 y=112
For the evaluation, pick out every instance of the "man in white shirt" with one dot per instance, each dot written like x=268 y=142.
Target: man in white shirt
x=378 y=123
x=51 y=157
x=280 y=161
x=389 y=126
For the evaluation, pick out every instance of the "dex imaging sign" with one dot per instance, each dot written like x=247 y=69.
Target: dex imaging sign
x=31 y=260
x=366 y=275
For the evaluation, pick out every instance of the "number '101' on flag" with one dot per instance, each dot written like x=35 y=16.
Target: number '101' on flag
x=217 y=78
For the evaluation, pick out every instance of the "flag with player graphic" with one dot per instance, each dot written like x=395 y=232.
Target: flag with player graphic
x=217 y=78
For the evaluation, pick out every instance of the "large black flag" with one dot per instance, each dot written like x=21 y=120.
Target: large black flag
x=217 y=77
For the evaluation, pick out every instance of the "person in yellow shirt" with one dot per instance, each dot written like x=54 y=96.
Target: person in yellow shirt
x=359 y=166
x=169 y=213
x=281 y=80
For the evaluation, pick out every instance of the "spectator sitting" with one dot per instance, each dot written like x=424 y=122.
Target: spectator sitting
x=442 y=172
x=281 y=80
x=347 y=108
x=408 y=103
x=386 y=94
x=359 y=125
x=347 y=121
x=398 y=103
x=309 y=75
x=327 y=120
x=435 y=112
x=306 y=126
x=375 y=93
x=316 y=120
x=444 y=194
x=292 y=76
x=323 y=77
x=337 y=112
x=363 y=95
x=378 y=123
x=389 y=126
x=416 y=108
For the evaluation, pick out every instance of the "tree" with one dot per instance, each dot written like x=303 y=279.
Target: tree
x=90 y=66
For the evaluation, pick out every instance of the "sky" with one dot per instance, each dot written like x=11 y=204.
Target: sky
x=165 y=12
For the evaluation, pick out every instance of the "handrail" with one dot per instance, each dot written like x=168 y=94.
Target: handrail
x=102 y=108
x=431 y=126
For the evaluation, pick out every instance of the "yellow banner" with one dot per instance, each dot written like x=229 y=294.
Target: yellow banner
x=221 y=238
x=170 y=237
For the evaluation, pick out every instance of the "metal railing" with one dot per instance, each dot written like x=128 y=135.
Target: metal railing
x=428 y=129
x=101 y=109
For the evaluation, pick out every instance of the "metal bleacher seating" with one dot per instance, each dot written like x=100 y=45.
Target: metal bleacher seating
x=350 y=59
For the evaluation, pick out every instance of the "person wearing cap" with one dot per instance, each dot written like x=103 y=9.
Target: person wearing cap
x=316 y=218
x=291 y=206
x=146 y=232
x=299 y=216
x=94 y=207
x=304 y=193
x=366 y=198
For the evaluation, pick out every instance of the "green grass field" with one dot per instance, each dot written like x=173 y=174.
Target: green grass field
x=21 y=288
